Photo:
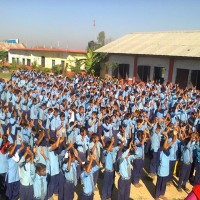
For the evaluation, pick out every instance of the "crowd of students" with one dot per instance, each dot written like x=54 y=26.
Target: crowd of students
x=58 y=132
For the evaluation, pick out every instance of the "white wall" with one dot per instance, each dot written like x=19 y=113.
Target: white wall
x=122 y=59
x=154 y=62
x=185 y=64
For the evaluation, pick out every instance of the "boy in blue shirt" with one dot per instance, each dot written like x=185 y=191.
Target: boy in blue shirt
x=163 y=168
x=87 y=178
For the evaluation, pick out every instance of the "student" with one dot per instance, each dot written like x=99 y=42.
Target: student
x=12 y=175
x=4 y=163
x=197 y=173
x=87 y=178
x=109 y=153
x=54 y=166
x=124 y=182
x=26 y=175
x=69 y=169
x=186 y=160
x=40 y=182
x=155 y=150
x=138 y=163
x=163 y=168
x=96 y=147
x=82 y=142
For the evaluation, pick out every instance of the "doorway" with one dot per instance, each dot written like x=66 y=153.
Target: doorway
x=195 y=78
x=143 y=73
x=43 y=61
x=123 y=71
x=159 y=74
x=182 y=77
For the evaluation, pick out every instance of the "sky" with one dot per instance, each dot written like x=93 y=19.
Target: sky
x=70 y=24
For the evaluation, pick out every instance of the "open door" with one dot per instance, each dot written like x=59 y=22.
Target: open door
x=182 y=77
x=123 y=71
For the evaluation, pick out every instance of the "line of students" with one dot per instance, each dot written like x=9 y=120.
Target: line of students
x=56 y=131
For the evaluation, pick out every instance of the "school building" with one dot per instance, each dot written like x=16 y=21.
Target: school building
x=165 y=56
x=46 y=57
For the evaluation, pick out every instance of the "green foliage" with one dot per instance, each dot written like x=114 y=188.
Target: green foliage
x=57 y=69
x=92 y=60
x=101 y=38
x=13 y=65
x=3 y=55
x=34 y=65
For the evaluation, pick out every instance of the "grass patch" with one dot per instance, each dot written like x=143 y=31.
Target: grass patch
x=6 y=75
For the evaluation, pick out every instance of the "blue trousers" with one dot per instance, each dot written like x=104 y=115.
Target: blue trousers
x=2 y=185
x=161 y=185
x=53 y=185
x=85 y=197
x=26 y=192
x=154 y=162
x=61 y=186
x=171 y=169
x=197 y=174
x=69 y=189
x=12 y=191
x=184 y=174
x=108 y=180
x=136 y=173
x=124 y=187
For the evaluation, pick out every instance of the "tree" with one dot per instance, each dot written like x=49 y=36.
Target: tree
x=92 y=60
x=101 y=38
x=3 y=55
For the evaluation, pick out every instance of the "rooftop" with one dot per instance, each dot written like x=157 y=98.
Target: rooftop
x=50 y=50
x=174 y=43
x=7 y=46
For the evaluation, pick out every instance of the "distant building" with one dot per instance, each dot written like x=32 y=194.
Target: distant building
x=164 y=56
x=5 y=46
x=45 y=57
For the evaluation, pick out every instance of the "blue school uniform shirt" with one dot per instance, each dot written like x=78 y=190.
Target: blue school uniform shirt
x=34 y=111
x=110 y=158
x=12 y=174
x=94 y=126
x=55 y=123
x=87 y=180
x=125 y=164
x=187 y=153
x=139 y=149
x=71 y=174
x=26 y=172
x=82 y=145
x=173 y=149
x=97 y=150
x=3 y=161
x=155 y=141
x=53 y=162
x=163 y=168
x=72 y=134
x=40 y=187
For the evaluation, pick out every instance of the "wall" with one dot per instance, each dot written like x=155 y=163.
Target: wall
x=122 y=59
x=185 y=64
x=154 y=62
x=35 y=56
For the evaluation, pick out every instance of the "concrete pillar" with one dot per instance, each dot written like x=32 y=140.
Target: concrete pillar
x=135 y=68
x=171 y=68
x=189 y=78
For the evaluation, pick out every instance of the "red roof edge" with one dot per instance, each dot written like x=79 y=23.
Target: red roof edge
x=51 y=50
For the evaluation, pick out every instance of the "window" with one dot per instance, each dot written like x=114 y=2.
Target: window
x=53 y=63
x=13 y=60
x=17 y=60
x=62 y=63
x=29 y=62
x=23 y=61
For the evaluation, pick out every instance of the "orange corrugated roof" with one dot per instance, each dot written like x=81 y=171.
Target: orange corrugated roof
x=51 y=50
